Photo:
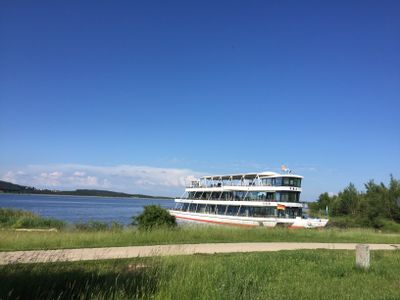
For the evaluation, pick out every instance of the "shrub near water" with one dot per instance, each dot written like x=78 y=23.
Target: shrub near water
x=14 y=218
x=153 y=217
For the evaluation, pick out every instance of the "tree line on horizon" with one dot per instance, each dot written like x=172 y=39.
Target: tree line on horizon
x=8 y=187
x=374 y=207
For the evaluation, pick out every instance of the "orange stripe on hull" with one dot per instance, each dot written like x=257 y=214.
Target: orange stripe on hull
x=216 y=222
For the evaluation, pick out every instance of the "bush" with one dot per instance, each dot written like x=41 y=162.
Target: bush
x=345 y=222
x=154 y=216
x=389 y=226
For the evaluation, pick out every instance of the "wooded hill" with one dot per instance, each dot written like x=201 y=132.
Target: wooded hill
x=8 y=187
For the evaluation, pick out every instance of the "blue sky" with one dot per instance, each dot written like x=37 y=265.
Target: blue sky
x=137 y=96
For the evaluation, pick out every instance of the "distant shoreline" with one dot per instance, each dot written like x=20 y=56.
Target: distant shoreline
x=12 y=188
x=94 y=196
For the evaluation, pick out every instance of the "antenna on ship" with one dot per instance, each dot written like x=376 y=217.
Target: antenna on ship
x=285 y=169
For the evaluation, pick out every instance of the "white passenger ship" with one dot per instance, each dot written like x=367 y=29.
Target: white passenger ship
x=252 y=199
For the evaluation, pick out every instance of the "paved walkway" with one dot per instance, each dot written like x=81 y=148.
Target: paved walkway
x=37 y=256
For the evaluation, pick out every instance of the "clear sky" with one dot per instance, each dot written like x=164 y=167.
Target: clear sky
x=138 y=95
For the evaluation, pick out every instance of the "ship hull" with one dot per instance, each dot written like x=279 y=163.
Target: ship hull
x=248 y=221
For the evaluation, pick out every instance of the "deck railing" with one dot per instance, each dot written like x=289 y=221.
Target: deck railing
x=241 y=184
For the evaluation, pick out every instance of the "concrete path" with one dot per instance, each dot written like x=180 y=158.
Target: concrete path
x=39 y=256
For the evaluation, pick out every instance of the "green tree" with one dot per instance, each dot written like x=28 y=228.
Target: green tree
x=394 y=199
x=319 y=207
x=378 y=206
x=154 y=216
x=348 y=201
x=382 y=201
x=373 y=206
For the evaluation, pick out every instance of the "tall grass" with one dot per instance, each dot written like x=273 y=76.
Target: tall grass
x=92 y=225
x=13 y=218
x=383 y=224
x=11 y=240
x=311 y=274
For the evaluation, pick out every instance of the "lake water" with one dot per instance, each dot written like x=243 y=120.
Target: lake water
x=73 y=209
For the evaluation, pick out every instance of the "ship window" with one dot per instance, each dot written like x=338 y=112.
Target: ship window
x=278 y=181
x=267 y=181
x=251 y=196
x=239 y=195
x=263 y=211
x=210 y=208
x=293 y=212
x=257 y=211
x=270 y=196
x=232 y=210
x=221 y=209
x=289 y=181
x=281 y=213
x=271 y=211
x=245 y=211
x=201 y=208
x=284 y=197
x=287 y=196
x=262 y=195
x=226 y=196
x=215 y=195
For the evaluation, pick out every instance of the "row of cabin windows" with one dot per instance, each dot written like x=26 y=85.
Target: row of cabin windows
x=278 y=181
x=281 y=181
x=243 y=211
x=246 y=196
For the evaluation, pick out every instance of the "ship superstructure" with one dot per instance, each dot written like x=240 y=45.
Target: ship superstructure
x=249 y=199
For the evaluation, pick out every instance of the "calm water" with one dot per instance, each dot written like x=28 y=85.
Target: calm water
x=74 y=209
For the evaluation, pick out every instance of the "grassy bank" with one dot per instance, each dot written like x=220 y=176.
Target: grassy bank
x=11 y=240
x=14 y=218
x=97 y=234
x=311 y=274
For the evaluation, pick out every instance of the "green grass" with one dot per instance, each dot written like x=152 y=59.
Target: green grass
x=14 y=218
x=311 y=274
x=11 y=240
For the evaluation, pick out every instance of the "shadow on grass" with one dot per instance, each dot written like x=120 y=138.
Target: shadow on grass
x=132 y=282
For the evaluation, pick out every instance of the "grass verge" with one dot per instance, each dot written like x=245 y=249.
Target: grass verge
x=310 y=274
x=11 y=240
